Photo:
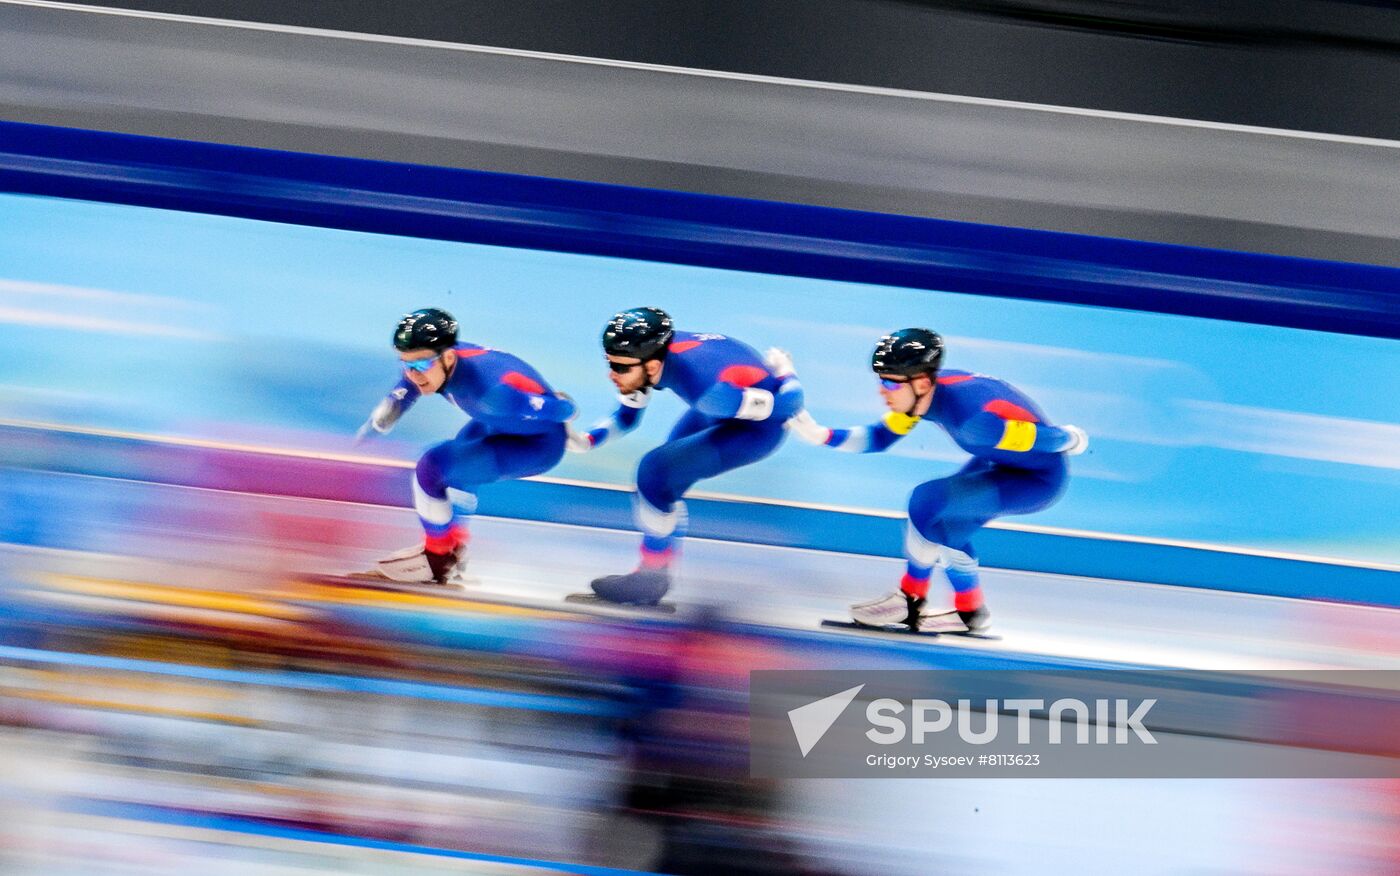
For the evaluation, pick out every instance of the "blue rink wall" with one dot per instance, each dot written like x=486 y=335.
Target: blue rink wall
x=1265 y=437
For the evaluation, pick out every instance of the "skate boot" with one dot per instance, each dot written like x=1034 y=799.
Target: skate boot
x=642 y=587
x=894 y=608
x=417 y=565
x=977 y=620
x=973 y=622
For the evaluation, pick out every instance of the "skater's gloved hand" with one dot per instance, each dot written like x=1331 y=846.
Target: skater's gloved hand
x=573 y=415
x=578 y=442
x=779 y=362
x=1080 y=441
x=789 y=399
x=381 y=419
x=807 y=429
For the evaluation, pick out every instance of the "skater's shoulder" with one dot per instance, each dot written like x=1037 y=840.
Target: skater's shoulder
x=690 y=342
x=971 y=384
x=712 y=348
x=490 y=361
x=467 y=351
x=952 y=377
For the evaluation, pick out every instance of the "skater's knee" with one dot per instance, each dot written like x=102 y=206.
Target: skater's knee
x=961 y=559
x=432 y=506
x=658 y=482
x=928 y=501
x=430 y=476
x=927 y=508
x=660 y=522
x=919 y=547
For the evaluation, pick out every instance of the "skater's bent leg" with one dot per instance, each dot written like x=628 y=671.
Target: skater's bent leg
x=442 y=531
x=943 y=514
x=921 y=558
x=461 y=466
x=960 y=565
x=667 y=472
x=657 y=507
x=662 y=478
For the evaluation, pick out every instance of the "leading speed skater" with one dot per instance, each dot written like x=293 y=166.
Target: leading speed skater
x=1017 y=466
x=517 y=429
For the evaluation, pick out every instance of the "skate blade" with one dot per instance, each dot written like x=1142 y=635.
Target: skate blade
x=375 y=581
x=595 y=601
x=903 y=630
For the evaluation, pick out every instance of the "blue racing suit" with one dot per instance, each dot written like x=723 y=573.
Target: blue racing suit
x=737 y=409
x=516 y=430
x=1017 y=467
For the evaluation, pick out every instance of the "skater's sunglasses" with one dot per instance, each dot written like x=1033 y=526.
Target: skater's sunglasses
x=622 y=367
x=421 y=365
x=893 y=385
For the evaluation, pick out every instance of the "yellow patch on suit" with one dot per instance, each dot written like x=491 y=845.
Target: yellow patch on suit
x=900 y=424
x=1018 y=436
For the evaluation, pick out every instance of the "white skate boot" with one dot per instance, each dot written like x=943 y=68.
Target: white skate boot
x=894 y=608
x=414 y=565
x=973 y=622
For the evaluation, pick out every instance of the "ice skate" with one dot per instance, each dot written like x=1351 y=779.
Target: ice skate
x=642 y=587
x=891 y=609
x=977 y=621
x=416 y=565
x=898 y=612
x=974 y=624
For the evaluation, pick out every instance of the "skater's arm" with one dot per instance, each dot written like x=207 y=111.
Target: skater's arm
x=390 y=409
x=737 y=396
x=873 y=438
x=623 y=420
x=861 y=439
x=521 y=398
x=997 y=432
x=789 y=399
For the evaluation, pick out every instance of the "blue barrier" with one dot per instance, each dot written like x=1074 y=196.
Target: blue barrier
x=706 y=230
x=772 y=523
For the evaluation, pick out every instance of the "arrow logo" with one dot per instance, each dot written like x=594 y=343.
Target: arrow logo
x=810 y=722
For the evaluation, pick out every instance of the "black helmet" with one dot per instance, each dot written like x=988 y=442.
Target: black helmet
x=642 y=333
x=908 y=353
x=426 y=329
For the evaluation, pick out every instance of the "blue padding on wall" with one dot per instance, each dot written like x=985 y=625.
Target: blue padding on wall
x=706 y=230
x=753 y=522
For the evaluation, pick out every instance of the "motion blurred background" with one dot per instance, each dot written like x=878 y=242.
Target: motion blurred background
x=182 y=375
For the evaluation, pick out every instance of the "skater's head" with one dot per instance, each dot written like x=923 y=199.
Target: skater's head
x=635 y=343
x=907 y=363
x=424 y=340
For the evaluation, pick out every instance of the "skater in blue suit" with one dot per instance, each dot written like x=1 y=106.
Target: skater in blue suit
x=738 y=405
x=1017 y=467
x=516 y=430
